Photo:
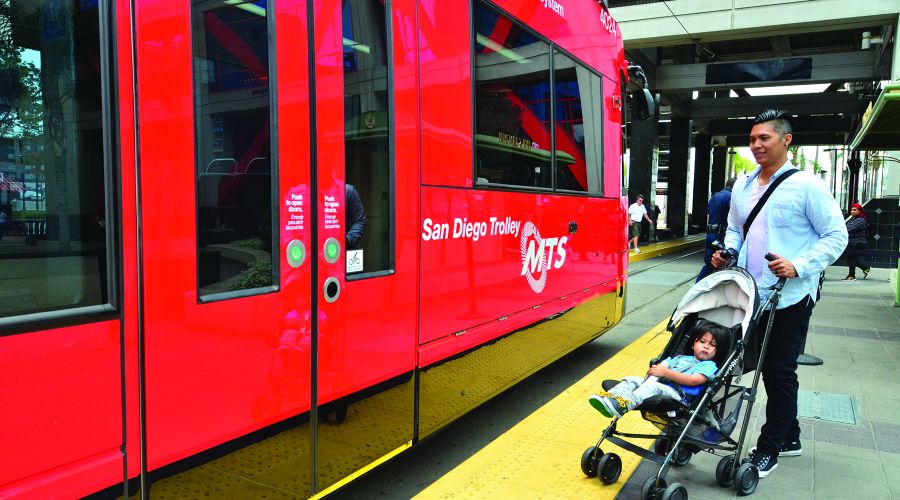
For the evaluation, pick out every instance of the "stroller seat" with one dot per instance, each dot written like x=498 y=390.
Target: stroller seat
x=664 y=412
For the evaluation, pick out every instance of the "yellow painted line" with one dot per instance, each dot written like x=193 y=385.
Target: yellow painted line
x=666 y=247
x=540 y=457
x=327 y=491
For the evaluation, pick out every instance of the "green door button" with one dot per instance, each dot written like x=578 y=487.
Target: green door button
x=332 y=250
x=296 y=253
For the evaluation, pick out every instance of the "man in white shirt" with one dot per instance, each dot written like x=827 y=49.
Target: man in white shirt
x=636 y=212
x=802 y=227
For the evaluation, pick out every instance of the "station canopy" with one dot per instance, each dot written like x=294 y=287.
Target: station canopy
x=881 y=123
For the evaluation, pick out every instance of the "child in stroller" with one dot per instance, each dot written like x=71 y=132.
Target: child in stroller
x=706 y=421
x=680 y=377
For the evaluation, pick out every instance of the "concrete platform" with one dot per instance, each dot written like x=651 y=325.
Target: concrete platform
x=666 y=247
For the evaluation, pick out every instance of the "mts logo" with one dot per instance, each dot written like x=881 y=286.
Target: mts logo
x=540 y=255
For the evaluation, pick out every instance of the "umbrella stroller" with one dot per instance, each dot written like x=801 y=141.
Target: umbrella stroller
x=728 y=297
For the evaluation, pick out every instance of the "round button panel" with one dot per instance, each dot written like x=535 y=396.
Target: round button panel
x=296 y=253
x=332 y=250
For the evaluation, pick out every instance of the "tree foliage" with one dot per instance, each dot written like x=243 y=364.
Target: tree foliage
x=21 y=106
x=741 y=165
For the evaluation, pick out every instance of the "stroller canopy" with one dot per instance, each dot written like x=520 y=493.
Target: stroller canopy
x=727 y=297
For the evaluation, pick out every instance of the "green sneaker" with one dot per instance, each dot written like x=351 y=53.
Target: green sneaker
x=611 y=406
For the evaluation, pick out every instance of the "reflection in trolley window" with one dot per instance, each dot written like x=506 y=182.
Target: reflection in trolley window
x=367 y=138
x=53 y=199
x=527 y=121
x=234 y=150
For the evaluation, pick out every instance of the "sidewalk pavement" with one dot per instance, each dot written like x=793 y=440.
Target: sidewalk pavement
x=856 y=330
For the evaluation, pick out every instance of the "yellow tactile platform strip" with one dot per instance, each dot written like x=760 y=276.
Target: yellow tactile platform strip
x=540 y=456
x=666 y=247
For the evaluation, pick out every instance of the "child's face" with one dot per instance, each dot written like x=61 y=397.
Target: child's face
x=705 y=347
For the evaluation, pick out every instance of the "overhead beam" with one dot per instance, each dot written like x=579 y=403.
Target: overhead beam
x=679 y=105
x=799 y=104
x=881 y=48
x=781 y=45
x=826 y=68
x=675 y=23
x=638 y=56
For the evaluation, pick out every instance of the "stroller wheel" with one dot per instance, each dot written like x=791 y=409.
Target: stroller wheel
x=589 y=461
x=609 y=467
x=746 y=479
x=650 y=491
x=675 y=491
x=683 y=456
x=661 y=447
x=723 y=472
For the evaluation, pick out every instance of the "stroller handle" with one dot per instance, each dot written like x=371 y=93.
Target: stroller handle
x=729 y=254
x=781 y=281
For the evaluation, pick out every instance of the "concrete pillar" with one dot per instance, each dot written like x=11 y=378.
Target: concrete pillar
x=679 y=153
x=720 y=162
x=644 y=141
x=853 y=165
x=702 y=156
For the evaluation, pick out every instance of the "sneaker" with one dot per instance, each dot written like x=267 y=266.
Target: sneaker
x=792 y=449
x=637 y=250
x=611 y=406
x=764 y=461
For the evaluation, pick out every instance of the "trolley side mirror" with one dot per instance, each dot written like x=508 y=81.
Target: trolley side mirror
x=644 y=105
x=643 y=101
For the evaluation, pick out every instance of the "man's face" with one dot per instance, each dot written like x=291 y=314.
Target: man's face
x=640 y=201
x=769 y=148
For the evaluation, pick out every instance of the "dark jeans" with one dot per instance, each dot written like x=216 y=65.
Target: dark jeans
x=779 y=374
x=853 y=258
x=707 y=267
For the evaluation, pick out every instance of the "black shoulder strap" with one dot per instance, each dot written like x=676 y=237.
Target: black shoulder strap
x=765 y=197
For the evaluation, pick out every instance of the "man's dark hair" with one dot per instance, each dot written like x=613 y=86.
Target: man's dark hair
x=781 y=118
x=730 y=182
x=639 y=196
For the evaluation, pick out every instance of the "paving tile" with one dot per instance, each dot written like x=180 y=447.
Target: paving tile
x=828 y=330
x=887 y=436
x=845 y=435
x=865 y=334
x=853 y=452
x=889 y=336
x=838 y=486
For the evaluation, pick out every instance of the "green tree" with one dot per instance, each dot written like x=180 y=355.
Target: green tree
x=793 y=151
x=21 y=106
x=741 y=165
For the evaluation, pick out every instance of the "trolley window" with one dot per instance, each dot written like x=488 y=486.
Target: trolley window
x=55 y=209
x=235 y=181
x=578 y=124
x=512 y=103
x=368 y=138
x=538 y=121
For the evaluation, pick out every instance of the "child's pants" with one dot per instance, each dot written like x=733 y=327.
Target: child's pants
x=635 y=390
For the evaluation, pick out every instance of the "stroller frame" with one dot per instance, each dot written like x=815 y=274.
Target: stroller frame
x=676 y=448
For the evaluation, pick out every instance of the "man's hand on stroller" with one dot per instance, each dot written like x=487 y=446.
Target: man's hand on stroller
x=780 y=266
x=722 y=256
